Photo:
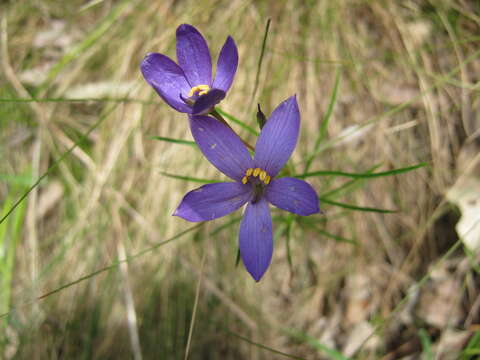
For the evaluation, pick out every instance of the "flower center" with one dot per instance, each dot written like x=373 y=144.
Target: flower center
x=200 y=89
x=256 y=173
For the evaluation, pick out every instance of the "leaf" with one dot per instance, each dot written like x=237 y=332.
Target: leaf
x=331 y=353
x=362 y=175
x=174 y=141
x=325 y=121
x=237 y=121
x=426 y=344
x=89 y=41
x=355 y=207
x=189 y=178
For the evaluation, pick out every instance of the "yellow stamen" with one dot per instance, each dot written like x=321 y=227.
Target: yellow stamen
x=263 y=174
x=244 y=180
x=200 y=89
x=256 y=172
x=249 y=172
x=267 y=180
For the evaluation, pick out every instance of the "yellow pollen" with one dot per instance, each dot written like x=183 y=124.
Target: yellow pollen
x=263 y=174
x=200 y=89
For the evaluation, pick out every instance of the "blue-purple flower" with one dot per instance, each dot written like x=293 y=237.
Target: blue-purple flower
x=188 y=86
x=255 y=181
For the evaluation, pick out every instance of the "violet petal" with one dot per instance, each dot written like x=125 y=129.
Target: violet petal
x=294 y=195
x=212 y=201
x=205 y=102
x=226 y=65
x=167 y=78
x=221 y=146
x=256 y=241
x=278 y=138
x=193 y=56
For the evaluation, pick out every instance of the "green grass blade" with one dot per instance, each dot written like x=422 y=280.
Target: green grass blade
x=361 y=175
x=349 y=185
x=313 y=342
x=260 y=61
x=89 y=41
x=189 y=178
x=473 y=347
x=62 y=157
x=323 y=127
x=114 y=265
x=265 y=347
x=227 y=225
x=426 y=344
x=355 y=207
x=174 y=141
x=237 y=121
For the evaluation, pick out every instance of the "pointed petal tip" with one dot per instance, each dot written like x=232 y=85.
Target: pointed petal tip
x=185 y=27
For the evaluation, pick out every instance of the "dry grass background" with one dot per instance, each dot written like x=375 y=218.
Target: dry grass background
x=408 y=93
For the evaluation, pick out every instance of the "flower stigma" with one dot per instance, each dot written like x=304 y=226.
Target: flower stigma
x=200 y=89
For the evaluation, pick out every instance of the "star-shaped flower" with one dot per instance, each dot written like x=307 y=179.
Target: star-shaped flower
x=188 y=86
x=255 y=181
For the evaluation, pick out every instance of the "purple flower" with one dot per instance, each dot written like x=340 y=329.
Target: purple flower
x=255 y=181
x=188 y=86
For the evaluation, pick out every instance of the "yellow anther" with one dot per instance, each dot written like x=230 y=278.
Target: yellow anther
x=256 y=172
x=244 y=180
x=267 y=180
x=262 y=175
x=201 y=89
x=249 y=172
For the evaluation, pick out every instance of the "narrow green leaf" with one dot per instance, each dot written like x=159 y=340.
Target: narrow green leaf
x=362 y=175
x=57 y=162
x=324 y=125
x=264 y=346
x=189 y=178
x=174 y=141
x=89 y=41
x=355 y=207
x=226 y=225
x=331 y=353
x=260 y=61
x=426 y=344
x=473 y=347
x=349 y=185
x=112 y=266
x=337 y=237
x=237 y=121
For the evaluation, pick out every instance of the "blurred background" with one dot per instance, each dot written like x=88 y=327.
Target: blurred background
x=381 y=85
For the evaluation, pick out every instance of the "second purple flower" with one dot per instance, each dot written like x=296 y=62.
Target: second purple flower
x=188 y=86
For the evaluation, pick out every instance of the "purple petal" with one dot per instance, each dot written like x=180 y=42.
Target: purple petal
x=293 y=195
x=205 y=102
x=221 y=146
x=278 y=137
x=226 y=65
x=193 y=56
x=212 y=201
x=256 y=243
x=167 y=78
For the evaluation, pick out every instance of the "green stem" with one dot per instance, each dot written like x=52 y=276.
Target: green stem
x=219 y=117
